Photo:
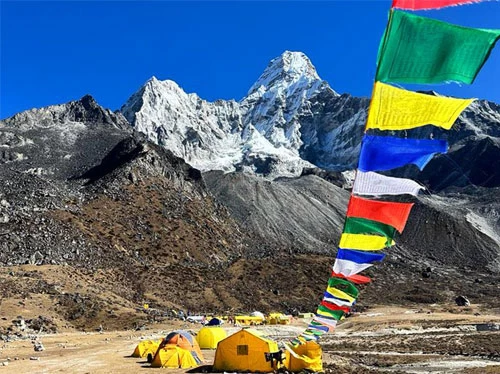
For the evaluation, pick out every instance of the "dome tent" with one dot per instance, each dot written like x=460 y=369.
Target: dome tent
x=178 y=349
x=171 y=356
x=215 y=322
x=146 y=347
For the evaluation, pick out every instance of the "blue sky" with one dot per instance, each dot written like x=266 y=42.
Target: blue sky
x=54 y=52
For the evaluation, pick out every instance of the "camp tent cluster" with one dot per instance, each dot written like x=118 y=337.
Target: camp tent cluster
x=413 y=49
x=247 y=350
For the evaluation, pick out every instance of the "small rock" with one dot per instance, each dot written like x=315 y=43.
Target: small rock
x=33 y=358
x=462 y=301
x=5 y=363
x=38 y=346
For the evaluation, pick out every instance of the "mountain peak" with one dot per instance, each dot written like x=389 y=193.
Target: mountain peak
x=86 y=110
x=289 y=67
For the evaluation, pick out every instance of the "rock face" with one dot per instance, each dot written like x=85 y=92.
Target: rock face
x=60 y=140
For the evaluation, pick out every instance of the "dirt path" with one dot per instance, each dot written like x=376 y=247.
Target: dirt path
x=80 y=353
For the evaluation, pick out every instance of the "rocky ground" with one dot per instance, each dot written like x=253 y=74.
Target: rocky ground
x=435 y=339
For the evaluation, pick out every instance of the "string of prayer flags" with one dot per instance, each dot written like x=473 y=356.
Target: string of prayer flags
x=393 y=108
x=417 y=49
x=380 y=153
x=391 y=213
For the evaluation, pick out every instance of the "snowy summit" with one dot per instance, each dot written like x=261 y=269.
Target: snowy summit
x=263 y=128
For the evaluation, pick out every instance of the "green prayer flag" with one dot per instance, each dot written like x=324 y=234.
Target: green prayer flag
x=314 y=332
x=323 y=311
x=355 y=225
x=417 y=49
x=343 y=285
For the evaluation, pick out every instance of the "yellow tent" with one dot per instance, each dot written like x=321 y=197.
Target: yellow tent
x=146 y=347
x=249 y=320
x=306 y=315
x=171 y=356
x=305 y=356
x=278 y=319
x=209 y=337
x=246 y=350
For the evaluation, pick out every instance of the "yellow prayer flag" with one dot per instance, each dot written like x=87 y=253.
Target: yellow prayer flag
x=340 y=295
x=393 y=108
x=364 y=242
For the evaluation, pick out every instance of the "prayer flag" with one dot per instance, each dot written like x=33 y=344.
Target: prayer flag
x=344 y=286
x=387 y=152
x=332 y=306
x=319 y=326
x=354 y=225
x=308 y=337
x=356 y=278
x=313 y=332
x=331 y=323
x=370 y=183
x=428 y=4
x=323 y=311
x=340 y=298
x=349 y=262
x=393 y=108
x=416 y=49
x=390 y=213
x=364 y=242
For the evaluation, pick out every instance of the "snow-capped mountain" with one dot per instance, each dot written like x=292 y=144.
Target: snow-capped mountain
x=268 y=132
x=273 y=103
x=290 y=119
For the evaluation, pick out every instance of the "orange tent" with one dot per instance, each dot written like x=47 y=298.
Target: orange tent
x=183 y=340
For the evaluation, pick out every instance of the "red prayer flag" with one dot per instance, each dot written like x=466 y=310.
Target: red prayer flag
x=356 y=278
x=333 y=307
x=390 y=213
x=428 y=4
